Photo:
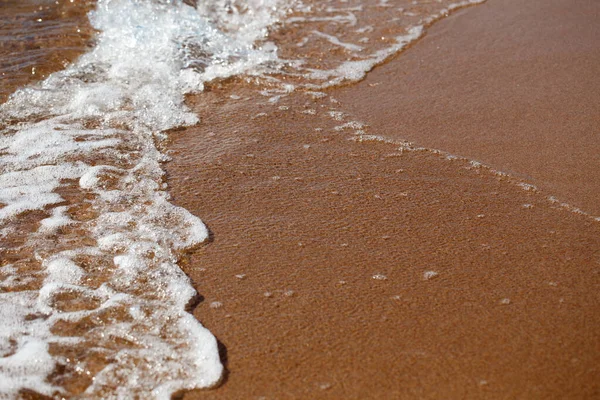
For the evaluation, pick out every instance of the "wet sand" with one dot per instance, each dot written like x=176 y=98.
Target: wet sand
x=36 y=40
x=345 y=268
x=512 y=84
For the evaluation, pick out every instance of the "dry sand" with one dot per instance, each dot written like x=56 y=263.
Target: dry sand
x=319 y=278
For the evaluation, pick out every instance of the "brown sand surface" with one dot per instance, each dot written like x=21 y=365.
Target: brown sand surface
x=511 y=83
x=316 y=278
x=306 y=231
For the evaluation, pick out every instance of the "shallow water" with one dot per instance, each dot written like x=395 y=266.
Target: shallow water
x=40 y=37
x=92 y=299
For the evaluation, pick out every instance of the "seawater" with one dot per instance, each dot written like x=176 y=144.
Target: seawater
x=92 y=301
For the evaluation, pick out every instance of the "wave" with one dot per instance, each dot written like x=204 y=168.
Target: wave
x=93 y=302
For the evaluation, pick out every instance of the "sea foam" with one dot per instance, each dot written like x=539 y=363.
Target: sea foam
x=338 y=41
x=92 y=302
x=91 y=297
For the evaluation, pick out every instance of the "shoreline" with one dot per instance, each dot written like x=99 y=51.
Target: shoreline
x=349 y=268
x=511 y=85
x=344 y=261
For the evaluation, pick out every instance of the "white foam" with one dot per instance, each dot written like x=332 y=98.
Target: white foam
x=334 y=40
x=92 y=128
x=27 y=367
x=356 y=70
x=360 y=59
x=348 y=19
x=63 y=270
x=58 y=219
x=31 y=189
x=427 y=275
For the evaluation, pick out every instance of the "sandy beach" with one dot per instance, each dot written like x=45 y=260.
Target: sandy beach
x=429 y=232
x=345 y=267
x=509 y=83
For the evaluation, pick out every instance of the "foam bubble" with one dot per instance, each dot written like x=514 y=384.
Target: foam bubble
x=428 y=275
x=81 y=180
x=328 y=43
x=105 y=241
